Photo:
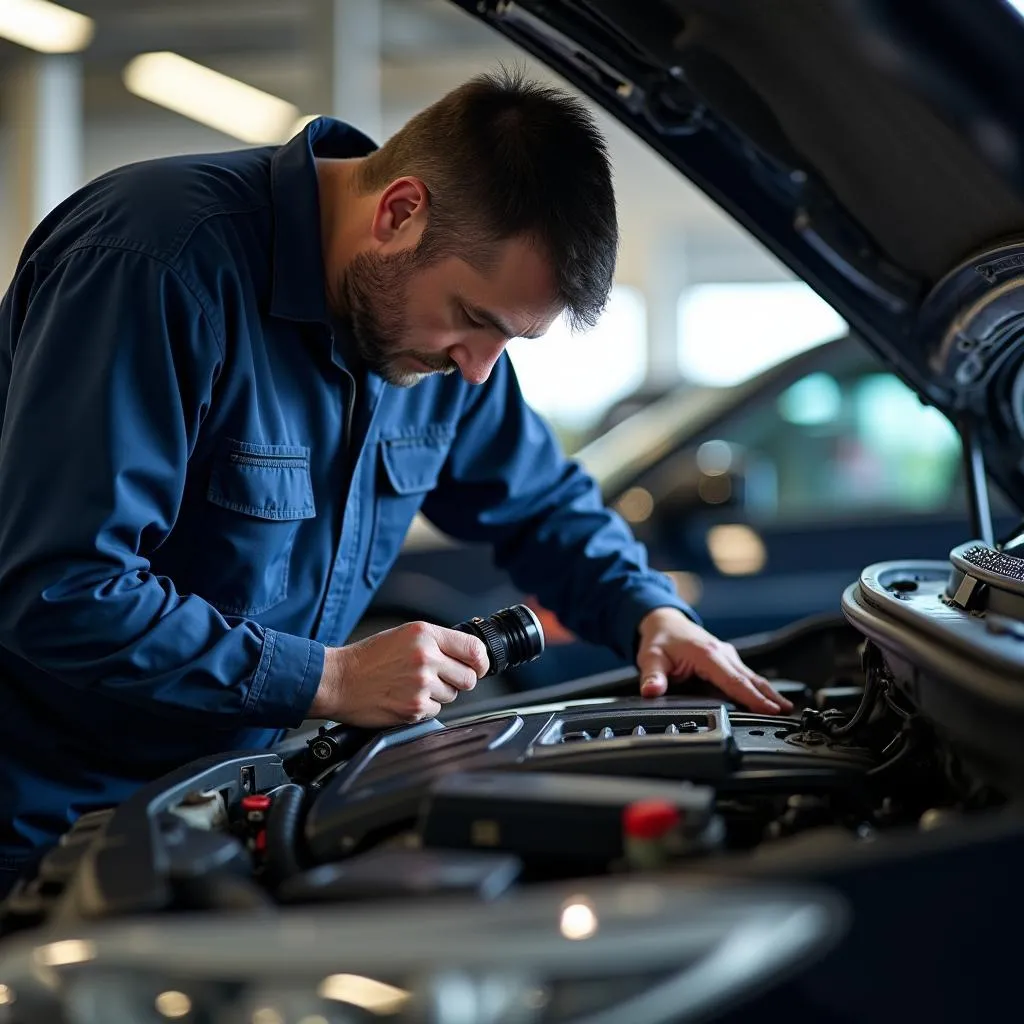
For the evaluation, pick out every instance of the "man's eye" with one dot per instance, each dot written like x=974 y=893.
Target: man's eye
x=471 y=321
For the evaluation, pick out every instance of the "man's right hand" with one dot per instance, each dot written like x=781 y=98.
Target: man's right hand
x=399 y=676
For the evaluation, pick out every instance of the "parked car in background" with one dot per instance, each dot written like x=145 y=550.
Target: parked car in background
x=762 y=501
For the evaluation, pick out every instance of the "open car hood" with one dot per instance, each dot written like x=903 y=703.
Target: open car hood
x=875 y=146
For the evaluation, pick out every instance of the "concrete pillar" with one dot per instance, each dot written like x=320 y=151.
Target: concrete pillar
x=345 y=45
x=44 y=109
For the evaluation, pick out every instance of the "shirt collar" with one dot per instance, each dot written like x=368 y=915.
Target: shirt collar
x=299 y=276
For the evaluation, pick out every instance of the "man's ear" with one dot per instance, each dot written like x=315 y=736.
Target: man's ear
x=401 y=213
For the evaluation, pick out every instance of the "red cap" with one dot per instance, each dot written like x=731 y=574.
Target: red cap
x=255 y=802
x=649 y=819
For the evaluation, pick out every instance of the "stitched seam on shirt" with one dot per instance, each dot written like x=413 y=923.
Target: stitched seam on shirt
x=270 y=641
x=262 y=512
x=200 y=217
x=420 y=433
x=128 y=245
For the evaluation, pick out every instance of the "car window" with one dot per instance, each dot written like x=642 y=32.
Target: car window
x=836 y=446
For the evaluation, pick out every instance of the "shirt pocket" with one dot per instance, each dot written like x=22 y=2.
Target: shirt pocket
x=408 y=469
x=259 y=494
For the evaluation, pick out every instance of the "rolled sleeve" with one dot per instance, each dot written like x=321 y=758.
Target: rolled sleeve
x=286 y=680
x=638 y=601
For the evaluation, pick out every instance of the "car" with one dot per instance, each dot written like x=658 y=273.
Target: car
x=582 y=854
x=759 y=500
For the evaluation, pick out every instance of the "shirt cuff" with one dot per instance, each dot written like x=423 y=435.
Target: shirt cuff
x=637 y=603
x=286 y=680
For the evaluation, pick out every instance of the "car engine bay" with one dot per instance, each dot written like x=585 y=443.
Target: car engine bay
x=585 y=798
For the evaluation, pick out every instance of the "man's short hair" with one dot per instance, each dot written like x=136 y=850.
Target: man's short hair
x=502 y=157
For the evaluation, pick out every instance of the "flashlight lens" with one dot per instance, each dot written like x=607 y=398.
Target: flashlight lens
x=512 y=637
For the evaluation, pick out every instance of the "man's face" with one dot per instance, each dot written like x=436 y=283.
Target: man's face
x=411 y=320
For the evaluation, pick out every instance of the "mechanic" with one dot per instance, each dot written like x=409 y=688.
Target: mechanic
x=227 y=384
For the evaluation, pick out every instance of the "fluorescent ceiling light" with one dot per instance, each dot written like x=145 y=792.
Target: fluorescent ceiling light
x=210 y=98
x=43 y=26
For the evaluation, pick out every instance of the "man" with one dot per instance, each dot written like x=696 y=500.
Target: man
x=227 y=383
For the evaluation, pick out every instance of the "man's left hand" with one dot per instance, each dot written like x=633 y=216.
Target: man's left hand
x=673 y=646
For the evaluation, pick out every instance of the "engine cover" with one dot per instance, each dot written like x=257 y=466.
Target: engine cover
x=702 y=742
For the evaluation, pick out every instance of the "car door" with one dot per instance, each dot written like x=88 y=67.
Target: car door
x=767 y=518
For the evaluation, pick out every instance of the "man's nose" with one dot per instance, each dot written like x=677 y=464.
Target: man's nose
x=476 y=359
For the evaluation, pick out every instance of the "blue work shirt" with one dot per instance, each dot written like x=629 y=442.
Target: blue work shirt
x=201 y=487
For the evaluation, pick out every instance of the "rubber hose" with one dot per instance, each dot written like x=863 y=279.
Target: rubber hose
x=281 y=860
x=867 y=701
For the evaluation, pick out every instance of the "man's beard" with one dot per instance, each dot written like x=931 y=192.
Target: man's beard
x=374 y=291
